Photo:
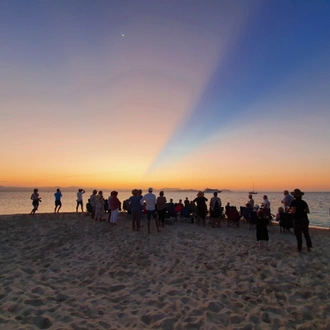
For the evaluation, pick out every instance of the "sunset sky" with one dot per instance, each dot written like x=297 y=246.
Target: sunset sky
x=175 y=93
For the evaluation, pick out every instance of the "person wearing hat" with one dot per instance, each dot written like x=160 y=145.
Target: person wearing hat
x=299 y=209
x=151 y=201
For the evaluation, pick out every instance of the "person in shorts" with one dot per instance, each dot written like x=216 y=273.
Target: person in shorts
x=36 y=199
x=80 y=200
x=151 y=201
x=58 y=203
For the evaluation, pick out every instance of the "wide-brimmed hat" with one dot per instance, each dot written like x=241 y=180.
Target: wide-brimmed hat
x=297 y=193
x=200 y=194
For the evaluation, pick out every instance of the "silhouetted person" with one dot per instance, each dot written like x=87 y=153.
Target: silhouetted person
x=135 y=207
x=58 y=203
x=36 y=199
x=300 y=209
x=201 y=208
x=287 y=201
x=92 y=200
x=161 y=208
x=80 y=200
x=150 y=200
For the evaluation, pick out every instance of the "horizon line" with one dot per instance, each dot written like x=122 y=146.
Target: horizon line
x=146 y=188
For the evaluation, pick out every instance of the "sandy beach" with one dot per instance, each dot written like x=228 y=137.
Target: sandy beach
x=65 y=271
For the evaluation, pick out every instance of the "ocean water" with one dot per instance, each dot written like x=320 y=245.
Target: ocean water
x=19 y=202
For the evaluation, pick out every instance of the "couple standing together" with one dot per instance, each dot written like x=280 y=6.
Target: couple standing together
x=137 y=201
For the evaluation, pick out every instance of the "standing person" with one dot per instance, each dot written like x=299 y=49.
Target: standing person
x=266 y=203
x=193 y=211
x=254 y=215
x=92 y=200
x=114 y=207
x=286 y=201
x=201 y=208
x=251 y=201
x=80 y=200
x=58 y=203
x=141 y=208
x=151 y=201
x=262 y=230
x=300 y=209
x=109 y=209
x=266 y=209
x=36 y=199
x=161 y=208
x=135 y=207
x=99 y=206
x=215 y=206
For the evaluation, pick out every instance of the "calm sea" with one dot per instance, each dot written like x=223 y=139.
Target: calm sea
x=19 y=202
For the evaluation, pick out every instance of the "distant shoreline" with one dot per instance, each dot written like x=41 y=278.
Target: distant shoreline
x=74 y=189
x=71 y=189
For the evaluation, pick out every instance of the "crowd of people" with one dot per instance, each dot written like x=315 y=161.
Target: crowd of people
x=139 y=206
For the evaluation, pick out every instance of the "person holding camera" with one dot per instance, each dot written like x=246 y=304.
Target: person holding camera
x=80 y=200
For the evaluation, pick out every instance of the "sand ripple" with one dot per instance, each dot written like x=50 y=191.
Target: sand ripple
x=64 y=271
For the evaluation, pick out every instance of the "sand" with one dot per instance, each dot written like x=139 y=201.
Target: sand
x=65 y=271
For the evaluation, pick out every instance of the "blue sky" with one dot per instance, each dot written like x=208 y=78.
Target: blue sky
x=282 y=39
